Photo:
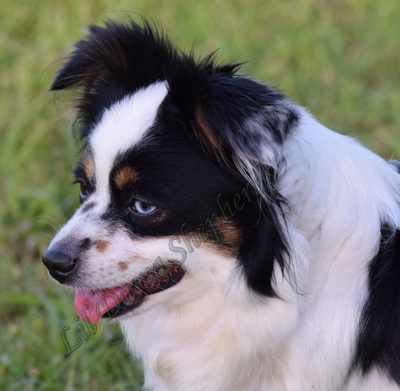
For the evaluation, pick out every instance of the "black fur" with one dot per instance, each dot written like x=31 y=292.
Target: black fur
x=118 y=60
x=379 y=340
x=210 y=119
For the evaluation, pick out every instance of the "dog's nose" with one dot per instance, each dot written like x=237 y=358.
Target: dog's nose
x=59 y=263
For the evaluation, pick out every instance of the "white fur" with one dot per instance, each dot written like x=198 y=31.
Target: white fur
x=228 y=339
x=122 y=127
x=340 y=192
x=209 y=332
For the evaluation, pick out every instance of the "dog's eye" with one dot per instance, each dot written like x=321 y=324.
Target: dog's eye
x=83 y=193
x=142 y=208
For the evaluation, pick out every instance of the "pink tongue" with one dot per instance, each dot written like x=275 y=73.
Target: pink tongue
x=91 y=305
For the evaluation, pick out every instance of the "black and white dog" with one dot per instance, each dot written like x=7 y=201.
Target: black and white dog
x=241 y=245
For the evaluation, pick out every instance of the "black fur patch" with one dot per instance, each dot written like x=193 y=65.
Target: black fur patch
x=88 y=206
x=192 y=189
x=118 y=60
x=379 y=339
x=210 y=123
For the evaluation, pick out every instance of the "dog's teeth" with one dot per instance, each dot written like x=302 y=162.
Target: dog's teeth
x=163 y=272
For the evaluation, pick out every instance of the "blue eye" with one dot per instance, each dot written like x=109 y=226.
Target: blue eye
x=142 y=208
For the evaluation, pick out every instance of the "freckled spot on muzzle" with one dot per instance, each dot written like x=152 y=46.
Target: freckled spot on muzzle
x=101 y=245
x=123 y=265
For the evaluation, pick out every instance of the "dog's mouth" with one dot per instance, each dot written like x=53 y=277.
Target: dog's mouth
x=114 y=302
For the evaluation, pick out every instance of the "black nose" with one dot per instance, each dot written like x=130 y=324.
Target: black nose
x=59 y=263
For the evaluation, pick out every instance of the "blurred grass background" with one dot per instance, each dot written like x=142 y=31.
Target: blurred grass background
x=339 y=58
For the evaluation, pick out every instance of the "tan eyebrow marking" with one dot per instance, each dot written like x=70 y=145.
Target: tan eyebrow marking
x=88 y=166
x=125 y=176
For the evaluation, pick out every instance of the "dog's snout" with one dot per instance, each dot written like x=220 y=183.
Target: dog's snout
x=59 y=263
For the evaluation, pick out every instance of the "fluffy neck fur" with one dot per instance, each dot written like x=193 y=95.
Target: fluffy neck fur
x=338 y=194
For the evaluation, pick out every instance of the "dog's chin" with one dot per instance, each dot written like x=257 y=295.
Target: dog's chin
x=127 y=299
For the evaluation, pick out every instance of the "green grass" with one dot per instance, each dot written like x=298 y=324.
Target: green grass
x=341 y=59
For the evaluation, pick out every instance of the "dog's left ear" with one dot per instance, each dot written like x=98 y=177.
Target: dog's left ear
x=245 y=124
x=241 y=119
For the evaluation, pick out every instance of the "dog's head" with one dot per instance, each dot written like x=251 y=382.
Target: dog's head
x=177 y=177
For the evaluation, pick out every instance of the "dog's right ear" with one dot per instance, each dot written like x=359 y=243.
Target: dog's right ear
x=111 y=62
x=117 y=56
x=98 y=61
x=101 y=57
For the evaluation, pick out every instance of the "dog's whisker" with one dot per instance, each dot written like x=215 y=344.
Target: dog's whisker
x=44 y=233
x=51 y=218
x=51 y=225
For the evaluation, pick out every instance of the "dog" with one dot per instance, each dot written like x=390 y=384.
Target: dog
x=241 y=245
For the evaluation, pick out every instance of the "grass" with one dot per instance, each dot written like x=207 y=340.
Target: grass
x=340 y=59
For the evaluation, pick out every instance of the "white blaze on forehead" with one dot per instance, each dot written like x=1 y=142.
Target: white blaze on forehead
x=122 y=126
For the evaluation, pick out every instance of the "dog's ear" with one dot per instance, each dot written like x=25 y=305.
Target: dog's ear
x=118 y=56
x=111 y=62
x=245 y=124
x=99 y=57
x=264 y=246
x=243 y=121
